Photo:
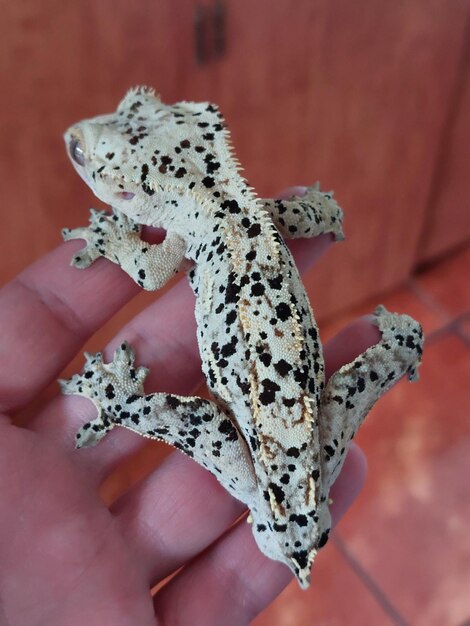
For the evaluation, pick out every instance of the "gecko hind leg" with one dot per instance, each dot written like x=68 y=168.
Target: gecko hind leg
x=353 y=390
x=197 y=427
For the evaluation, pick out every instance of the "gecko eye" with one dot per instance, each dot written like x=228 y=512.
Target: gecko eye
x=76 y=151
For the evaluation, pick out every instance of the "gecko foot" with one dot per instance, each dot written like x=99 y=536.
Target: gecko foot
x=404 y=331
x=105 y=232
x=112 y=387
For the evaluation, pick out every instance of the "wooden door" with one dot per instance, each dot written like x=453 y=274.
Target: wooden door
x=356 y=94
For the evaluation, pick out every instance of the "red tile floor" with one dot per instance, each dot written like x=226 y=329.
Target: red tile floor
x=401 y=555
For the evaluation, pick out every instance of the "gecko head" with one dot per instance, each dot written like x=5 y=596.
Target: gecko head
x=156 y=163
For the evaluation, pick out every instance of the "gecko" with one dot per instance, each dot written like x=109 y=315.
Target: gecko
x=273 y=433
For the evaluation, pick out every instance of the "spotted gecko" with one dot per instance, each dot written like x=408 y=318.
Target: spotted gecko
x=274 y=434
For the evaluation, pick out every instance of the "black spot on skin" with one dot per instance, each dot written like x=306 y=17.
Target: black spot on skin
x=230 y=348
x=323 y=539
x=301 y=520
x=251 y=256
x=132 y=398
x=301 y=557
x=283 y=311
x=315 y=474
x=278 y=492
x=185 y=143
x=260 y=528
x=257 y=289
x=373 y=375
x=265 y=359
x=351 y=391
x=289 y=402
x=109 y=391
x=282 y=367
x=313 y=333
x=147 y=189
x=301 y=376
x=285 y=479
x=293 y=452
x=145 y=171
x=142 y=274
x=232 y=290
x=275 y=283
x=231 y=206
x=227 y=428
x=211 y=165
x=231 y=317
x=253 y=231
x=267 y=396
x=329 y=450
x=208 y=136
x=361 y=384
x=173 y=402
x=280 y=528
x=180 y=172
x=208 y=181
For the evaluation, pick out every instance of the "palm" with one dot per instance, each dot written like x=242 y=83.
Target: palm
x=66 y=557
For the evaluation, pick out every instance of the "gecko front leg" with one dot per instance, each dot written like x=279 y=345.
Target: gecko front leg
x=197 y=427
x=117 y=238
x=312 y=214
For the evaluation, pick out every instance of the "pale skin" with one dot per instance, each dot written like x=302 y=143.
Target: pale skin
x=66 y=557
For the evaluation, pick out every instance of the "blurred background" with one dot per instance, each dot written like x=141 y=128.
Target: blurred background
x=372 y=98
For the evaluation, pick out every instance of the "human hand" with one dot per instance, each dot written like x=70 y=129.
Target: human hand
x=66 y=557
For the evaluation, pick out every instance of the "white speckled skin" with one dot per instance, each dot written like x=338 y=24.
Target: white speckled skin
x=273 y=434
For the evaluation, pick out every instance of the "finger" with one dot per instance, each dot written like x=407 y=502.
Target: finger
x=156 y=515
x=145 y=523
x=164 y=339
x=234 y=568
x=351 y=341
x=46 y=313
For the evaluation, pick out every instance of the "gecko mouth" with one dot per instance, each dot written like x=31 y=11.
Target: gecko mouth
x=126 y=195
